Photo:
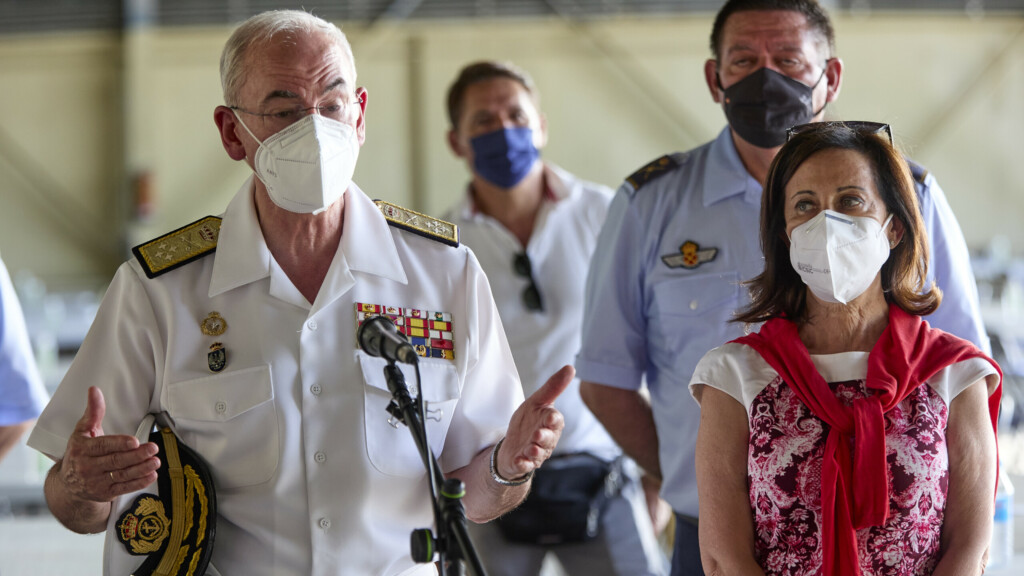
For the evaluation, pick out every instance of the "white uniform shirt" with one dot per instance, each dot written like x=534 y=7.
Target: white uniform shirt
x=563 y=239
x=311 y=478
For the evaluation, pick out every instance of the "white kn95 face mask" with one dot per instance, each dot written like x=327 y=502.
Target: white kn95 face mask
x=838 y=256
x=307 y=166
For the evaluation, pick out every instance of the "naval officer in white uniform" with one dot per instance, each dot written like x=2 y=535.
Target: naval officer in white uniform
x=240 y=331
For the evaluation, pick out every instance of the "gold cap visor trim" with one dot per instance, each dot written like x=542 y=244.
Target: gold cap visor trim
x=179 y=543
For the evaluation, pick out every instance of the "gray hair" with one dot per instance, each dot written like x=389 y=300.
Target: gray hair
x=258 y=31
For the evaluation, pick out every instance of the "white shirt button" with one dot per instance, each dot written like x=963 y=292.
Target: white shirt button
x=693 y=304
x=221 y=407
x=320 y=457
x=315 y=389
x=325 y=523
x=311 y=324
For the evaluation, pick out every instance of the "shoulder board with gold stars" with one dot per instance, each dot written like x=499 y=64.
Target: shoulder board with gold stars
x=421 y=224
x=177 y=248
x=653 y=170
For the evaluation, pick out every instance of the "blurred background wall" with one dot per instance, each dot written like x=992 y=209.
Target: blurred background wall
x=107 y=136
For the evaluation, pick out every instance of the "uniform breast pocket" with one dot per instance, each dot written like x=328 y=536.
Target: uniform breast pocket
x=231 y=420
x=688 y=314
x=389 y=444
x=693 y=296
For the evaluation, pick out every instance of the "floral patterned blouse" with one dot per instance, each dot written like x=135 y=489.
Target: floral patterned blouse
x=784 y=461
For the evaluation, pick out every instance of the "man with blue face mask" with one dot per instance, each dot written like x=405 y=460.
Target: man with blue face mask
x=534 y=226
x=238 y=333
x=682 y=234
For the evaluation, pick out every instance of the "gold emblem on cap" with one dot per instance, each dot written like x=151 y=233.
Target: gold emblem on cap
x=213 y=325
x=145 y=527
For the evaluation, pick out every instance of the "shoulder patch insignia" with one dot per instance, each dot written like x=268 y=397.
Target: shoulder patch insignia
x=652 y=170
x=177 y=248
x=917 y=171
x=690 y=256
x=421 y=224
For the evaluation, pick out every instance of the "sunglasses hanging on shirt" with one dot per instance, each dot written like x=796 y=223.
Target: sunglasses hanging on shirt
x=531 y=295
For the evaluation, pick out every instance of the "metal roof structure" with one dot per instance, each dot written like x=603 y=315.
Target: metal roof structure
x=28 y=16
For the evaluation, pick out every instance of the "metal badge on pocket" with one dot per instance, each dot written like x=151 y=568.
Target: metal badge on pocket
x=217 y=358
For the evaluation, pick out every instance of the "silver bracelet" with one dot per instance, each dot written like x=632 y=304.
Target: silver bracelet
x=497 y=477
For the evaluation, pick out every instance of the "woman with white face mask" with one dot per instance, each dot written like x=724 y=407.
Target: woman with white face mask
x=845 y=436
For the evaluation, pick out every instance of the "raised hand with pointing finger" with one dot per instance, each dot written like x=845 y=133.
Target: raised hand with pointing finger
x=534 y=430
x=532 y=435
x=97 y=468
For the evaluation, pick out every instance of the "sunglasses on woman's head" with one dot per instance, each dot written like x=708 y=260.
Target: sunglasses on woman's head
x=860 y=126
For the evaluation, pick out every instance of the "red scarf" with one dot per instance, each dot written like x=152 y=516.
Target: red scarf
x=908 y=353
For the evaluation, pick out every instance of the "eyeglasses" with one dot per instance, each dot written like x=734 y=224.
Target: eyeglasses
x=860 y=126
x=278 y=118
x=531 y=295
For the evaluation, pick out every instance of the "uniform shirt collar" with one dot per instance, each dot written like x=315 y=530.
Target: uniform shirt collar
x=560 y=184
x=725 y=176
x=366 y=245
x=367 y=241
x=242 y=255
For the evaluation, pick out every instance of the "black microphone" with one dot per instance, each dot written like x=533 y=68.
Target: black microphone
x=378 y=337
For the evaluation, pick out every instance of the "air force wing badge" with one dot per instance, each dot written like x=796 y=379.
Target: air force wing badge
x=690 y=256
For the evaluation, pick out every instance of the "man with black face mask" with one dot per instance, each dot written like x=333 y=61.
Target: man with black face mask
x=682 y=234
x=533 y=226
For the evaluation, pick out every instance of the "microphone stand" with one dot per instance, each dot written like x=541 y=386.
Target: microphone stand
x=452 y=541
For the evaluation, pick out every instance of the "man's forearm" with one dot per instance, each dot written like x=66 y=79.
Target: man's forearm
x=485 y=499
x=9 y=436
x=628 y=418
x=77 y=515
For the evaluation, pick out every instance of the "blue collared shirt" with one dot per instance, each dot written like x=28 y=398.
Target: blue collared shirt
x=949 y=266
x=651 y=312
x=22 y=395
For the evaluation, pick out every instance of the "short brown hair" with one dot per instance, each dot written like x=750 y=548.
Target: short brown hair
x=480 y=72
x=779 y=291
x=816 y=16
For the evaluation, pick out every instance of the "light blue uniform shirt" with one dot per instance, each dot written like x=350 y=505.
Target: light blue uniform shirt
x=645 y=317
x=22 y=395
